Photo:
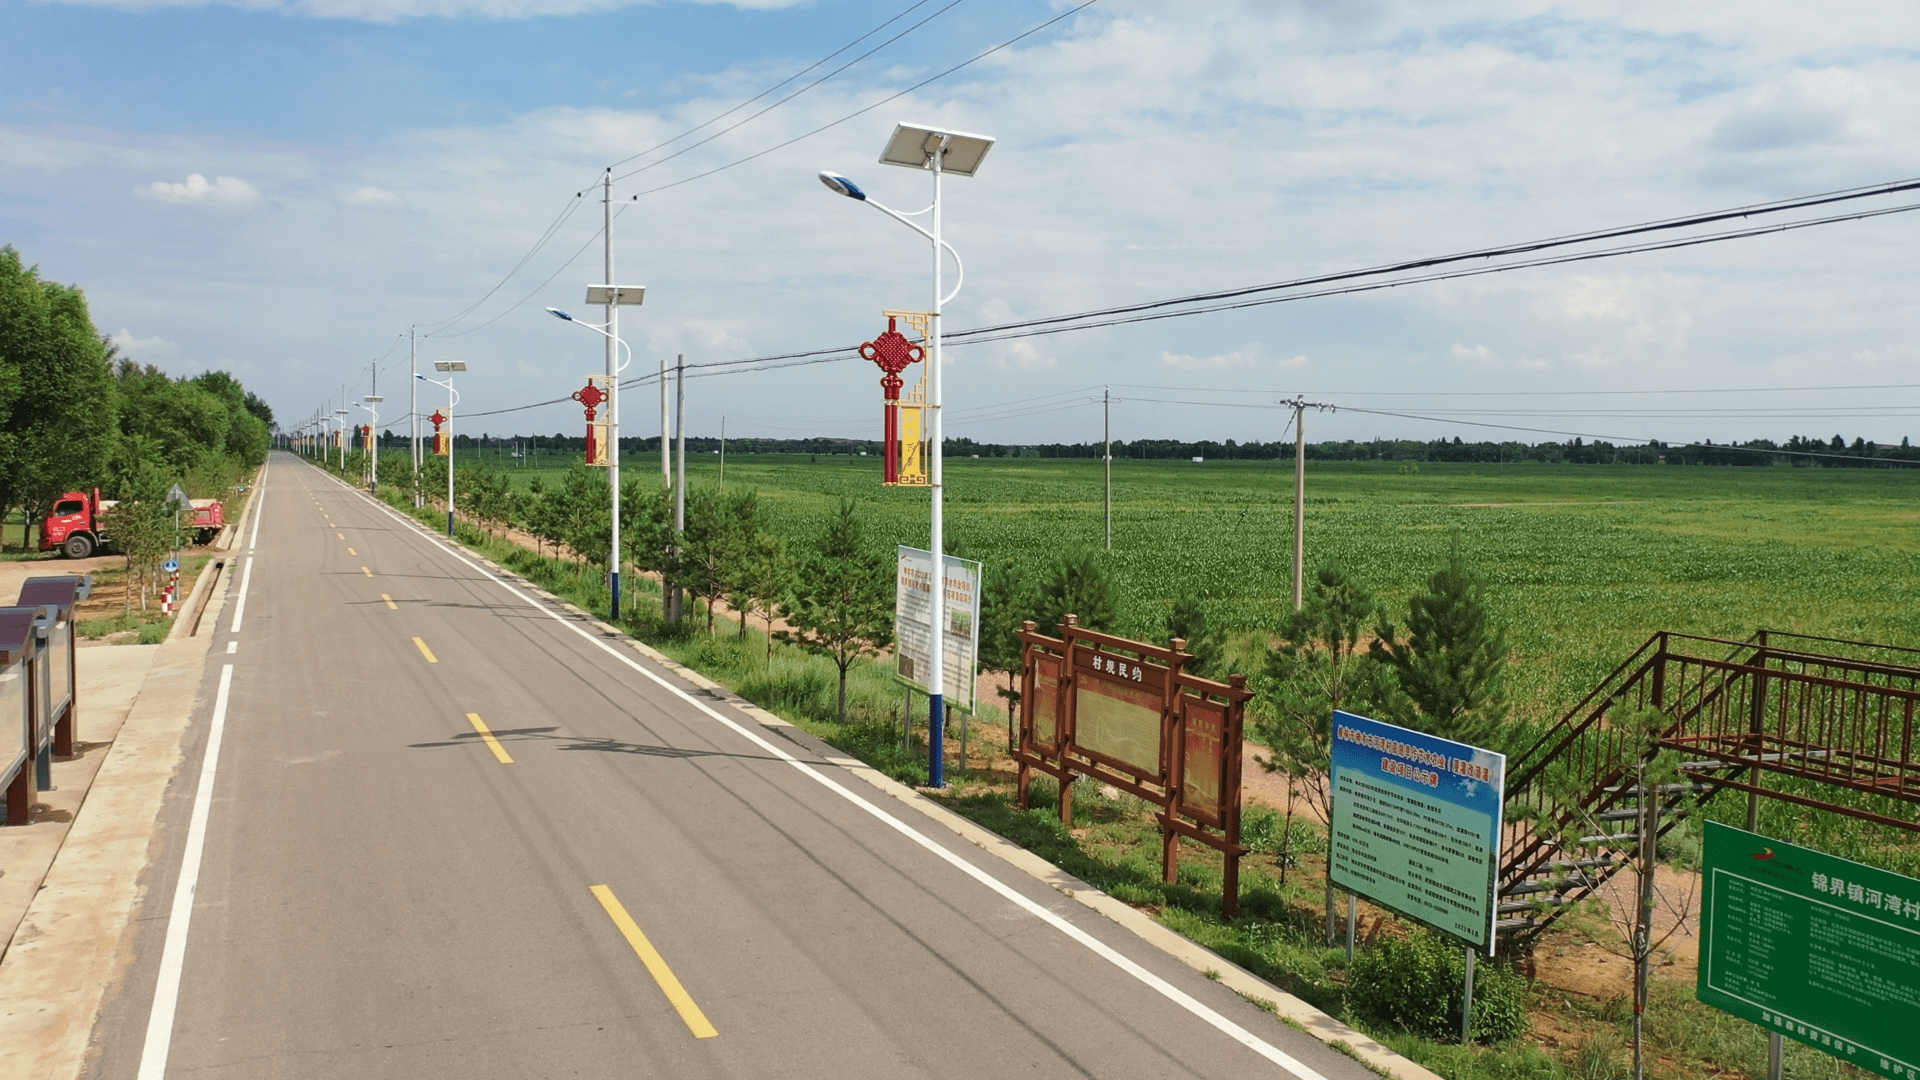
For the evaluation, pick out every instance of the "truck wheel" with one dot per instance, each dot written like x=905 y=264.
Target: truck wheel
x=78 y=546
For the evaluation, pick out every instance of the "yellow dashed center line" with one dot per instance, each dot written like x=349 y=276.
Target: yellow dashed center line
x=390 y=604
x=426 y=652
x=366 y=571
x=677 y=995
x=486 y=733
x=341 y=535
x=350 y=551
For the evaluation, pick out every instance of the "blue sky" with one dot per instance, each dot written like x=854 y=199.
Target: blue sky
x=282 y=189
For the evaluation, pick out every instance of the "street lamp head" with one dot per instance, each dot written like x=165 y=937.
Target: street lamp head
x=449 y=365
x=842 y=185
x=558 y=314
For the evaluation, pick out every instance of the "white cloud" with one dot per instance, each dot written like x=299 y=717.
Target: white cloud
x=389 y=11
x=145 y=350
x=371 y=198
x=222 y=191
x=1154 y=151
x=1244 y=358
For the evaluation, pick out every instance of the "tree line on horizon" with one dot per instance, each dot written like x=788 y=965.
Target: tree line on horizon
x=1799 y=450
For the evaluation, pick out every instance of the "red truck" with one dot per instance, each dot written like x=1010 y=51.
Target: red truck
x=76 y=524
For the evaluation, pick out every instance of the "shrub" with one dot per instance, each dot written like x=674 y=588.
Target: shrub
x=1415 y=983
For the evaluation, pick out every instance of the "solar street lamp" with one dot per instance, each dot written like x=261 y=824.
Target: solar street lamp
x=937 y=151
x=613 y=297
x=340 y=418
x=453 y=398
x=371 y=403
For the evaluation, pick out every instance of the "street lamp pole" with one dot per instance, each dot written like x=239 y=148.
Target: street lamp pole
x=341 y=419
x=453 y=398
x=938 y=151
x=613 y=296
x=372 y=406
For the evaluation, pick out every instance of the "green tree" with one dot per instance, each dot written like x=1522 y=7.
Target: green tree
x=842 y=607
x=1319 y=666
x=746 y=527
x=764 y=578
x=707 y=549
x=57 y=406
x=585 y=514
x=1078 y=583
x=1451 y=660
x=1188 y=621
x=145 y=526
x=1009 y=597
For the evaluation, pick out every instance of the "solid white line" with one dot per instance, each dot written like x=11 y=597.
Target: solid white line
x=166 y=991
x=1166 y=989
x=240 y=605
x=258 y=503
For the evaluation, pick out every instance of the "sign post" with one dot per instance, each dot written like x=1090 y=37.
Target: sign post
x=913 y=626
x=1820 y=949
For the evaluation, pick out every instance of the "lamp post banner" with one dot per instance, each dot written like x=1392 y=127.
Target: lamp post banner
x=1416 y=825
x=913 y=634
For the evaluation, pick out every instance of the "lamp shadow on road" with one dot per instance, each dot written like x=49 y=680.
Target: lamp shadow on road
x=575 y=742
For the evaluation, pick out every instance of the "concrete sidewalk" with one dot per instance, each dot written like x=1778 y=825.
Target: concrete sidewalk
x=110 y=678
x=72 y=883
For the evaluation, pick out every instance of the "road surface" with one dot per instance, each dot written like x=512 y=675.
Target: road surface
x=451 y=831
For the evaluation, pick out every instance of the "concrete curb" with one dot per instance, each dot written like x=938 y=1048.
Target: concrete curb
x=188 y=621
x=1290 y=1009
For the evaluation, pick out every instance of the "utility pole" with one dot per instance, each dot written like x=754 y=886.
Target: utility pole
x=1106 y=422
x=1300 y=511
x=723 y=453
x=666 y=461
x=680 y=489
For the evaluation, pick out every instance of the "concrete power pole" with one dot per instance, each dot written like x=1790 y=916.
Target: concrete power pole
x=1106 y=422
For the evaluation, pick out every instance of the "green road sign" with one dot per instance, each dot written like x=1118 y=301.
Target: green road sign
x=1818 y=948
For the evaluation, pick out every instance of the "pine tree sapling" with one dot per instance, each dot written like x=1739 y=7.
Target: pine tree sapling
x=1079 y=584
x=1452 y=660
x=842 y=606
x=1188 y=621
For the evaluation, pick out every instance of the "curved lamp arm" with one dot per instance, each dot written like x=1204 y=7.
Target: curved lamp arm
x=843 y=186
x=598 y=328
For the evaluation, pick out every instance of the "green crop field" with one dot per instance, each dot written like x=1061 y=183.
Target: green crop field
x=1584 y=562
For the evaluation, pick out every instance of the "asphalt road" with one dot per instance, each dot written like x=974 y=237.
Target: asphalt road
x=653 y=885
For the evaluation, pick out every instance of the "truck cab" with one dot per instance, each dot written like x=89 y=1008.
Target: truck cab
x=73 y=525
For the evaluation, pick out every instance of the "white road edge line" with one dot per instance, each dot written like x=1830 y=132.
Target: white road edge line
x=258 y=508
x=166 y=991
x=1165 y=989
x=240 y=605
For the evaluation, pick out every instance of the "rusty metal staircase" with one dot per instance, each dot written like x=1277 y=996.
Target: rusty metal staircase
x=1778 y=705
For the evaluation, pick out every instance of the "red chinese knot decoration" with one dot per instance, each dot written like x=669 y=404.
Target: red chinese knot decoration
x=893 y=352
x=439 y=440
x=591 y=396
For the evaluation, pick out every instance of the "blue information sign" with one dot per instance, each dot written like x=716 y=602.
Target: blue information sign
x=170 y=565
x=1416 y=824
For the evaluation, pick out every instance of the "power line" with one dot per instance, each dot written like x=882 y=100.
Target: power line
x=688 y=149
x=1042 y=327
x=862 y=112
x=1539 y=393
x=1499 y=251
x=547 y=234
x=697 y=127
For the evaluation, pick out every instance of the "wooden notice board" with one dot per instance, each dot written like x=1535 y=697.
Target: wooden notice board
x=1128 y=713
